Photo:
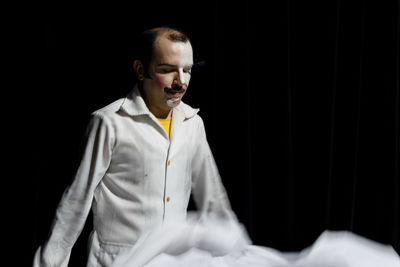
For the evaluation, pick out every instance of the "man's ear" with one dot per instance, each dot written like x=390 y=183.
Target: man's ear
x=139 y=69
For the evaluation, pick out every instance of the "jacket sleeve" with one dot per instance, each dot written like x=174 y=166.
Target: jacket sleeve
x=207 y=189
x=76 y=201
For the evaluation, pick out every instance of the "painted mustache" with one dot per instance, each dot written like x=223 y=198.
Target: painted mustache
x=177 y=89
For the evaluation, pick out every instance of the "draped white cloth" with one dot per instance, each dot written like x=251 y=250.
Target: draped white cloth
x=221 y=242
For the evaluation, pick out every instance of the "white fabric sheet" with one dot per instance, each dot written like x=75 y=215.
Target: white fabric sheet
x=224 y=243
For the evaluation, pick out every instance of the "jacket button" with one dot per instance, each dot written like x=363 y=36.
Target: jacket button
x=169 y=162
x=168 y=199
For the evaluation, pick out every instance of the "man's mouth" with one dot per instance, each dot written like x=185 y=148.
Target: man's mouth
x=174 y=95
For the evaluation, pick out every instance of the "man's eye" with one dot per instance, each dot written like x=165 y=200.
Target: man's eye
x=165 y=71
x=188 y=71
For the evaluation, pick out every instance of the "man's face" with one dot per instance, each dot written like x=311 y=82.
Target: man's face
x=170 y=67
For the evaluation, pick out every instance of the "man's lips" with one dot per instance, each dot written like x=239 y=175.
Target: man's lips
x=175 y=94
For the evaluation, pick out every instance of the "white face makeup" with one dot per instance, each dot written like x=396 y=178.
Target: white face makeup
x=184 y=72
x=173 y=102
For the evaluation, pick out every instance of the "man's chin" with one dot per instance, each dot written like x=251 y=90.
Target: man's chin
x=173 y=102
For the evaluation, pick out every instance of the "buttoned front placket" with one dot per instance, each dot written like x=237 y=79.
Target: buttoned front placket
x=170 y=196
x=166 y=199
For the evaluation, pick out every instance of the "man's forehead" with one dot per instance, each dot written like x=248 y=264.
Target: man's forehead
x=163 y=44
x=174 y=53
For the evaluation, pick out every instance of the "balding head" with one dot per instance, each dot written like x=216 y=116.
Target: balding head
x=171 y=33
x=145 y=42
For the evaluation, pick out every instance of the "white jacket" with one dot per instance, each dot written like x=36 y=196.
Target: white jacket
x=134 y=178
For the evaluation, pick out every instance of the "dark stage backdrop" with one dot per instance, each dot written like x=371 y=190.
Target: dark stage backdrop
x=300 y=100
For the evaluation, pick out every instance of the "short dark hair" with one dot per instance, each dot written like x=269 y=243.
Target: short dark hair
x=144 y=43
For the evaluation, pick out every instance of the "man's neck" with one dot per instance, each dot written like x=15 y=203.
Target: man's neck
x=161 y=114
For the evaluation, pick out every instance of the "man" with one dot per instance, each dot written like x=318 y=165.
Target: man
x=144 y=156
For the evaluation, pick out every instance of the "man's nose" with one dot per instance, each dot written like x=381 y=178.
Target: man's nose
x=181 y=78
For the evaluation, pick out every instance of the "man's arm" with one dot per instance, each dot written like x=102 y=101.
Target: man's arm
x=208 y=191
x=76 y=201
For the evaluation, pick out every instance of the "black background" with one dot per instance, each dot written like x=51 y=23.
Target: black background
x=300 y=100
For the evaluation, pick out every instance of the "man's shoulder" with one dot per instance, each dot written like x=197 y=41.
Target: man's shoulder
x=110 y=109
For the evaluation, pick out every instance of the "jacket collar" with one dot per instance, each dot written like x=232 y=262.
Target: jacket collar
x=134 y=105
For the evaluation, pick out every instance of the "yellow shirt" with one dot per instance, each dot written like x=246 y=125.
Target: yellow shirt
x=166 y=124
